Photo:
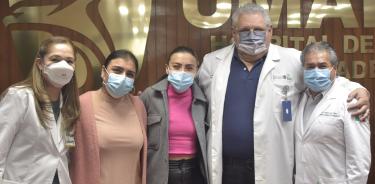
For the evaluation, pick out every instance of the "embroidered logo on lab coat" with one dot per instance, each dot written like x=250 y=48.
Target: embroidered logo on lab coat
x=331 y=114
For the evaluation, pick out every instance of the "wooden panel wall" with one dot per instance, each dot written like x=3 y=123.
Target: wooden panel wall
x=169 y=29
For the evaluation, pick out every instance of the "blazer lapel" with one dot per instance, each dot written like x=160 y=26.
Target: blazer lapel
x=198 y=96
x=162 y=87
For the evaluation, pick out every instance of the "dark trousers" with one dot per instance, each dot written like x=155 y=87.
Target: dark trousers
x=56 y=179
x=184 y=172
x=238 y=171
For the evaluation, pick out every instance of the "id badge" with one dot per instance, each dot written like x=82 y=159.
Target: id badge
x=287 y=110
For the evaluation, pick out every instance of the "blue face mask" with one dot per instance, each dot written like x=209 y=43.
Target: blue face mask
x=119 y=85
x=181 y=81
x=252 y=42
x=317 y=80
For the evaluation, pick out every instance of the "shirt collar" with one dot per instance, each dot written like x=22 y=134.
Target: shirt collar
x=310 y=95
x=319 y=95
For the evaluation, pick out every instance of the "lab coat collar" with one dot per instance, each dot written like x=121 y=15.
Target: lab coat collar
x=273 y=57
x=323 y=93
x=54 y=127
x=322 y=106
x=222 y=55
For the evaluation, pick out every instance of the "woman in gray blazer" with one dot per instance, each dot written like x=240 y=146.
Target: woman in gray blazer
x=176 y=129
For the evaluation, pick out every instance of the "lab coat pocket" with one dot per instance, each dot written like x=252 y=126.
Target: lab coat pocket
x=331 y=130
x=336 y=180
x=153 y=131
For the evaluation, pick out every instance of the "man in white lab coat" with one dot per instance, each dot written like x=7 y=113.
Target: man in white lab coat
x=331 y=145
x=253 y=89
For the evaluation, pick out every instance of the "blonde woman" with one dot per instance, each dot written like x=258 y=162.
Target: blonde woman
x=37 y=116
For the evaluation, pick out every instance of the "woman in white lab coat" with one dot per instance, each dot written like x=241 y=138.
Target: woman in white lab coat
x=37 y=116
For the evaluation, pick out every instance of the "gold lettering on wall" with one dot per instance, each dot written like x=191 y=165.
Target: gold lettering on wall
x=297 y=40
x=294 y=14
x=351 y=44
x=325 y=38
x=285 y=41
x=343 y=70
x=366 y=42
x=217 y=19
x=319 y=10
x=12 y=2
x=372 y=69
x=368 y=13
x=310 y=39
x=218 y=42
x=359 y=69
x=342 y=10
x=274 y=9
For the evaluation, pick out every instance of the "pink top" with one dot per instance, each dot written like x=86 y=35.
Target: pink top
x=120 y=139
x=182 y=134
x=85 y=158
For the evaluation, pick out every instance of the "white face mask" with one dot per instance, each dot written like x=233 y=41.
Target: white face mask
x=59 y=74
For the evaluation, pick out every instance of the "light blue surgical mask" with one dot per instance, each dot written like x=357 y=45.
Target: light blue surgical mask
x=181 y=81
x=317 y=80
x=252 y=42
x=119 y=85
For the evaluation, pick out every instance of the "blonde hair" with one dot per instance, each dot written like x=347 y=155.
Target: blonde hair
x=70 y=110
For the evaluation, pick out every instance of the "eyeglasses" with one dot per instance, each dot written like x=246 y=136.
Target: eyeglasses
x=258 y=31
x=254 y=32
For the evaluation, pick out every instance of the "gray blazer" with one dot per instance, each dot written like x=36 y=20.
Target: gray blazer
x=155 y=100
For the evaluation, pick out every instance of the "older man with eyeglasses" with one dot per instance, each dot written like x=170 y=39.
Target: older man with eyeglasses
x=253 y=88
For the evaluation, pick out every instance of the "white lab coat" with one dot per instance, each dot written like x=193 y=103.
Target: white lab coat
x=29 y=154
x=273 y=138
x=333 y=145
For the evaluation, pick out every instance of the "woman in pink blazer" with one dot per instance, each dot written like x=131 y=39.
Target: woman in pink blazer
x=110 y=135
